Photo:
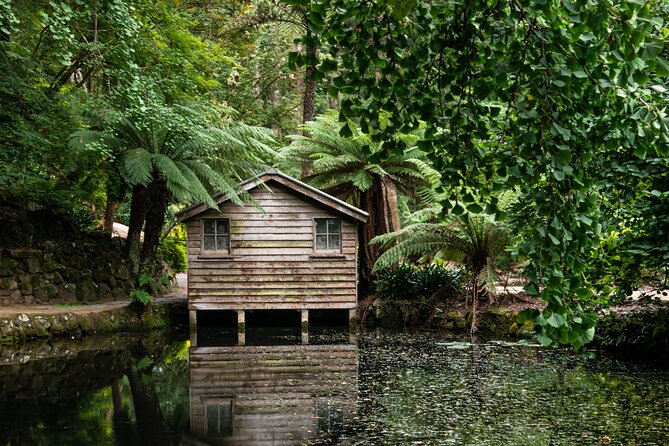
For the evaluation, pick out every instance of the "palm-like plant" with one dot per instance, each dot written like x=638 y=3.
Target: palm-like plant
x=173 y=156
x=474 y=240
x=353 y=169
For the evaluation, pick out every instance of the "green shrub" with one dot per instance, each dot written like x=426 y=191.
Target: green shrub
x=173 y=249
x=413 y=282
x=147 y=287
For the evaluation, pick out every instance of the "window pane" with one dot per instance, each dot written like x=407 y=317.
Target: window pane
x=321 y=225
x=221 y=226
x=333 y=225
x=321 y=242
x=334 y=242
x=209 y=243
x=225 y=419
x=209 y=226
x=222 y=242
x=212 y=419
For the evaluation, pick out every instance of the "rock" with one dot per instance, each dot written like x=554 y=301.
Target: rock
x=25 y=283
x=7 y=263
x=33 y=265
x=67 y=293
x=29 y=299
x=122 y=273
x=458 y=321
x=87 y=290
x=48 y=246
x=71 y=275
x=41 y=295
x=37 y=281
x=22 y=253
x=112 y=283
x=119 y=294
x=57 y=278
x=104 y=292
x=102 y=274
x=10 y=297
x=9 y=284
x=51 y=290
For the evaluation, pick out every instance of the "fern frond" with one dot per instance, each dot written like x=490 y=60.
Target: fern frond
x=138 y=166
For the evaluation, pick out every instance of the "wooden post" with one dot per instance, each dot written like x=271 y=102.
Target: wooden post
x=192 y=318
x=241 y=327
x=305 y=326
x=241 y=321
x=193 y=338
x=305 y=321
x=352 y=319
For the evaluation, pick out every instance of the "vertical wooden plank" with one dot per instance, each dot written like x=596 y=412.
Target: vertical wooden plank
x=192 y=319
x=352 y=319
x=305 y=321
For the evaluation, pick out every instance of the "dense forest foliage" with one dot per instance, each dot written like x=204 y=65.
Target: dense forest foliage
x=462 y=127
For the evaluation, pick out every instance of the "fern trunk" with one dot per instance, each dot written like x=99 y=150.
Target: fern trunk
x=309 y=100
x=380 y=202
x=110 y=211
x=158 y=197
x=138 y=205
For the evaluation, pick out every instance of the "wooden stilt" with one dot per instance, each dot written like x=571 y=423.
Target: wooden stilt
x=352 y=319
x=192 y=319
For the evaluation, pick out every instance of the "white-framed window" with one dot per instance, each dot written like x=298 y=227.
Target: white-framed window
x=219 y=415
x=216 y=235
x=327 y=232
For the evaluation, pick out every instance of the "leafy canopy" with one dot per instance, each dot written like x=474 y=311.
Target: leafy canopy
x=534 y=95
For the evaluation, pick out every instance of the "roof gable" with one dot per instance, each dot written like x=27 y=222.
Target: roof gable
x=291 y=183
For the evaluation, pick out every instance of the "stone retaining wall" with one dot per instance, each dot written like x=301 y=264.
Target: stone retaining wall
x=89 y=268
x=46 y=259
x=20 y=327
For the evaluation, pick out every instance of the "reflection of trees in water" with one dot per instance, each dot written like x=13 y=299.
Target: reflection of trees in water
x=86 y=398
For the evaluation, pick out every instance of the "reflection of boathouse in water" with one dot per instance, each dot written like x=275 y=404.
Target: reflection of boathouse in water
x=271 y=395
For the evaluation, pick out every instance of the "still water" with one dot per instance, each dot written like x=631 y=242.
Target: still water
x=380 y=388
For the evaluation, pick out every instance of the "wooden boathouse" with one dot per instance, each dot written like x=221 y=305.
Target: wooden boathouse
x=293 y=249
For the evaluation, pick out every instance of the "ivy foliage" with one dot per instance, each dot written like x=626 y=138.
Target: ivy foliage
x=541 y=96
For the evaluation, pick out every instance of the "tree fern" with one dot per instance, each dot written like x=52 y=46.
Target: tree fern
x=475 y=241
x=348 y=168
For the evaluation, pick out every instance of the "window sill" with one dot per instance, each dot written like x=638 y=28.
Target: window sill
x=327 y=256
x=216 y=257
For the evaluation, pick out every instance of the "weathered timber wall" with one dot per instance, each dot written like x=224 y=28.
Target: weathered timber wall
x=272 y=263
x=278 y=395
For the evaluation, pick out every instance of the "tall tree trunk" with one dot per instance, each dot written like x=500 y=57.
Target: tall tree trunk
x=389 y=195
x=138 y=205
x=110 y=211
x=159 y=198
x=309 y=98
x=380 y=202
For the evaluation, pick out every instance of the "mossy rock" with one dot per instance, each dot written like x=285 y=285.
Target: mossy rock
x=455 y=320
x=497 y=321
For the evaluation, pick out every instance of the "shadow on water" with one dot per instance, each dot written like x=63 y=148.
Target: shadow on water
x=379 y=389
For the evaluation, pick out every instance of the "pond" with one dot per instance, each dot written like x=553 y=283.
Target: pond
x=380 y=388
